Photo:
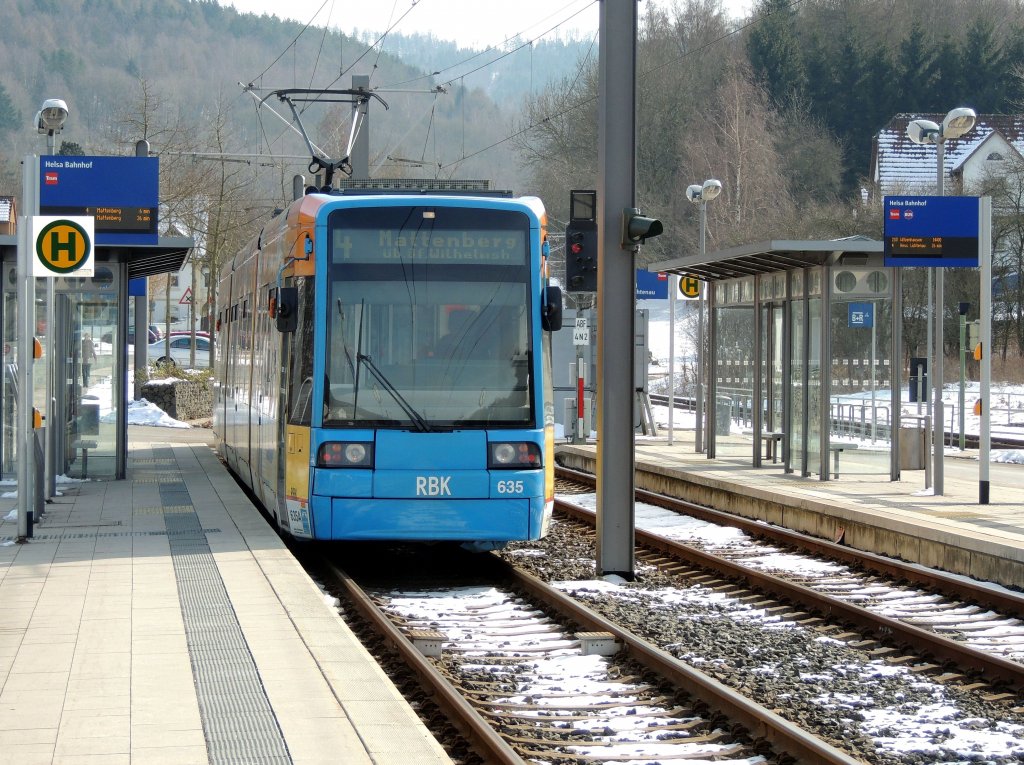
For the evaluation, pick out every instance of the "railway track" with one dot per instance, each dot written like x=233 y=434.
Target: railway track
x=511 y=677
x=951 y=621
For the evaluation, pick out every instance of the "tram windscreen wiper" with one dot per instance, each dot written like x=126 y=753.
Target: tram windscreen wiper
x=410 y=412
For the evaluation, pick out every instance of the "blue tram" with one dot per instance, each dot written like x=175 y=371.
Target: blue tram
x=384 y=368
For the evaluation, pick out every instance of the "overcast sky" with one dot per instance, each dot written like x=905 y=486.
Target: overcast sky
x=476 y=23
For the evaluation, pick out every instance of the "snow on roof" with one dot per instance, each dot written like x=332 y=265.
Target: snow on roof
x=899 y=164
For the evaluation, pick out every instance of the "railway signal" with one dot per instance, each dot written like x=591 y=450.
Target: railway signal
x=581 y=242
x=637 y=229
x=580 y=259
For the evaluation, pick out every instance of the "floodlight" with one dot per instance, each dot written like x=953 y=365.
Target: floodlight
x=711 y=189
x=52 y=115
x=958 y=122
x=923 y=131
x=693 y=193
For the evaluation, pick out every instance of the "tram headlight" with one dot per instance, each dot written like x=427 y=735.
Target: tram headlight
x=341 y=454
x=512 y=455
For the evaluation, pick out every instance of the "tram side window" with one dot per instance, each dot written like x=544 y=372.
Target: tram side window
x=300 y=375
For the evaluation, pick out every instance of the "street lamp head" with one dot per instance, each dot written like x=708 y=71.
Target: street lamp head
x=693 y=193
x=52 y=115
x=958 y=122
x=923 y=131
x=711 y=189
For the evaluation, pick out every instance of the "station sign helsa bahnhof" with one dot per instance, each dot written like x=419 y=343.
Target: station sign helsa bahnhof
x=931 y=231
x=122 y=194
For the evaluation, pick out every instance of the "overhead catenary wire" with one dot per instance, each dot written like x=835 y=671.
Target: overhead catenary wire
x=640 y=76
x=392 y=25
x=494 y=48
x=547 y=117
x=341 y=74
x=461 y=78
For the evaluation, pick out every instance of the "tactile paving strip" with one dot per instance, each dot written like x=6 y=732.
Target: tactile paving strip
x=238 y=722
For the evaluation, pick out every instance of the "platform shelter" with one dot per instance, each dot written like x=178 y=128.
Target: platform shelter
x=802 y=357
x=91 y=390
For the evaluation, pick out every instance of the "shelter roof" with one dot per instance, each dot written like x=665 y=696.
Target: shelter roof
x=167 y=255
x=771 y=256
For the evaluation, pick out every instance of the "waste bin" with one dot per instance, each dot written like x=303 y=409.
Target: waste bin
x=913 y=448
x=723 y=416
x=89 y=418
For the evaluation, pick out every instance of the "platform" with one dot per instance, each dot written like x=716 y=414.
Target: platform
x=862 y=508
x=159 y=619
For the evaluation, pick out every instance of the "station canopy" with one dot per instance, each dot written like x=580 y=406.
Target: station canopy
x=772 y=256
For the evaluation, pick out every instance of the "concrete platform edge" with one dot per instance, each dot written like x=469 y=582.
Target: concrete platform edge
x=904 y=534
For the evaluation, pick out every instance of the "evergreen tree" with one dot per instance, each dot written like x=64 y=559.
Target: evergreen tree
x=983 y=77
x=879 y=72
x=915 y=70
x=857 y=96
x=819 y=64
x=10 y=117
x=1011 y=64
x=70 y=149
x=946 y=88
x=773 y=50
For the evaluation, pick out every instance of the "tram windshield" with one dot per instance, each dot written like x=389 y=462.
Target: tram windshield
x=428 y=319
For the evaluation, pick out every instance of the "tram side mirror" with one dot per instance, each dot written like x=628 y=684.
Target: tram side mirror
x=551 y=311
x=284 y=308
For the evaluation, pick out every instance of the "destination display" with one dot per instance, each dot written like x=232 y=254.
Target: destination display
x=117 y=220
x=938 y=232
x=486 y=246
x=120 y=193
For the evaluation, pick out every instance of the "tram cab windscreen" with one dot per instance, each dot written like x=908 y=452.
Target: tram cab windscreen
x=428 y=319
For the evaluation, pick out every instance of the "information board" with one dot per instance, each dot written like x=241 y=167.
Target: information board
x=122 y=194
x=936 y=232
x=651 y=285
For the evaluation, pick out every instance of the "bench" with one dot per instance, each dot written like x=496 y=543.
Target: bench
x=835 y=449
x=773 y=441
x=84 y=447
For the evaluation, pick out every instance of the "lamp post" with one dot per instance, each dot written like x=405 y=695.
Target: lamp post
x=954 y=125
x=700 y=195
x=50 y=120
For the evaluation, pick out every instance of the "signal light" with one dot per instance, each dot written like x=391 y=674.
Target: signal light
x=37 y=418
x=37 y=348
x=581 y=257
x=977 y=408
x=977 y=352
x=636 y=229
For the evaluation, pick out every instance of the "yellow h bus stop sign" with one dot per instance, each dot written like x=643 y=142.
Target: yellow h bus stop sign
x=62 y=246
x=689 y=286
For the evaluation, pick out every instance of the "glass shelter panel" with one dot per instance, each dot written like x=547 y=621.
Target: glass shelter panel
x=772 y=316
x=814 y=387
x=798 y=390
x=860 y=412
x=734 y=378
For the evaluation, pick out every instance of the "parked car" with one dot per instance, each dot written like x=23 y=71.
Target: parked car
x=180 y=347
x=152 y=337
x=187 y=333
